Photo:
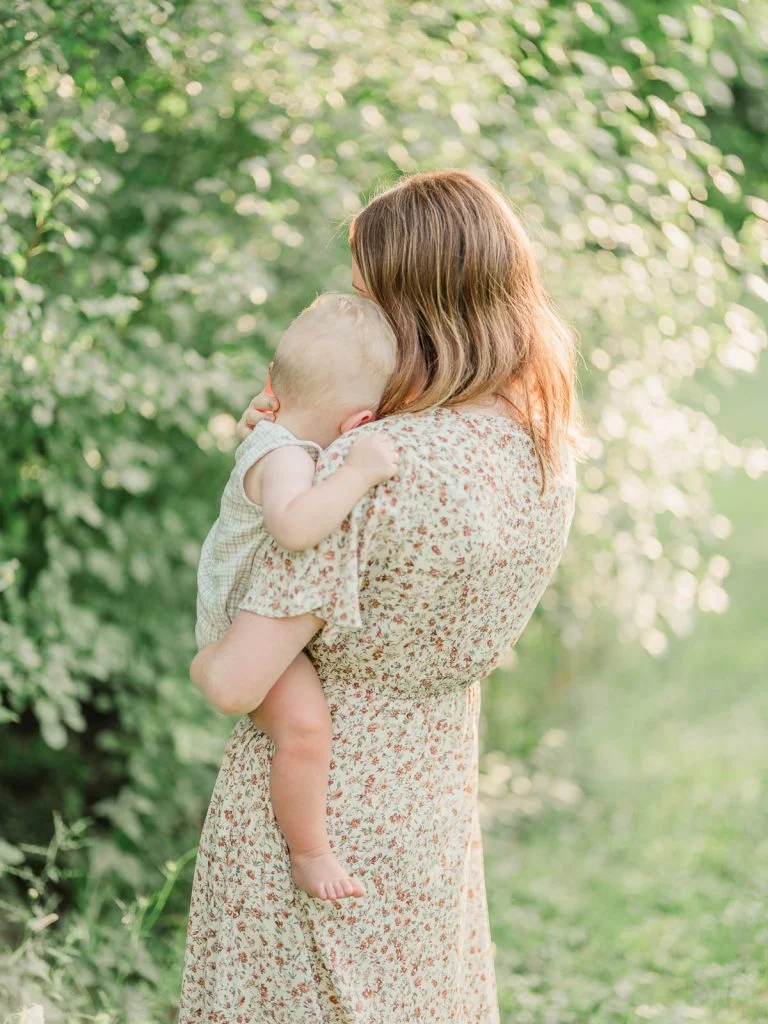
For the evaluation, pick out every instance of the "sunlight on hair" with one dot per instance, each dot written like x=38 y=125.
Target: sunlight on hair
x=448 y=260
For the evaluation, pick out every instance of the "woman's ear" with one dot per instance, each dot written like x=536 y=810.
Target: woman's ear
x=357 y=419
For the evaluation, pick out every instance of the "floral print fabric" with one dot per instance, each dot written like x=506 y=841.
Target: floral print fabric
x=422 y=589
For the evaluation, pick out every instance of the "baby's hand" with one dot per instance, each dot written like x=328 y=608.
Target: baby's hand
x=262 y=407
x=374 y=457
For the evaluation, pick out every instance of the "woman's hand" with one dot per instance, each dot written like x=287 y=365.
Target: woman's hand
x=262 y=407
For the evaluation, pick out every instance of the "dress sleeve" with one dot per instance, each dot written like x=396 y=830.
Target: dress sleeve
x=325 y=580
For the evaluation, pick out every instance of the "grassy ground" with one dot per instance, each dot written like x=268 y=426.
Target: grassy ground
x=629 y=879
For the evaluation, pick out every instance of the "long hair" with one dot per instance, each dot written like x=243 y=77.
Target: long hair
x=451 y=265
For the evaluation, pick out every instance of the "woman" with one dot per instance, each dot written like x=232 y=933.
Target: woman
x=403 y=610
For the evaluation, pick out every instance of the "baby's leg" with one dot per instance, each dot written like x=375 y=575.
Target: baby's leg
x=295 y=716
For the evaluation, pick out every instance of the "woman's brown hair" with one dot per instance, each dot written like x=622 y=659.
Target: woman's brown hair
x=451 y=265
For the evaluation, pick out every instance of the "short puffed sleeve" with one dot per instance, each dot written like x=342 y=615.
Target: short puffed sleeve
x=326 y=580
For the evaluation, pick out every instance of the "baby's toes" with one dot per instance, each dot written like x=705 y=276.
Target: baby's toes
x=348 y=886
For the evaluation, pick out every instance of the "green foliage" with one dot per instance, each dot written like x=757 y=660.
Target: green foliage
x=175 y=181
x=105 y=956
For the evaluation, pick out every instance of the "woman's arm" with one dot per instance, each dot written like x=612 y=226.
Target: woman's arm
x=236 y=673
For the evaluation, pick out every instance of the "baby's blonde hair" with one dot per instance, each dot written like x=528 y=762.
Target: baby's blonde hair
x=341 y=349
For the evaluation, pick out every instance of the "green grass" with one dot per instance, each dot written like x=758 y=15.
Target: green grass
x=644 y=898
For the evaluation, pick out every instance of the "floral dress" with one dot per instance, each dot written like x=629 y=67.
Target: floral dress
x=422 y=589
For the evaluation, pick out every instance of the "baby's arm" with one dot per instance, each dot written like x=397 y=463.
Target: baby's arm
x=299 y=515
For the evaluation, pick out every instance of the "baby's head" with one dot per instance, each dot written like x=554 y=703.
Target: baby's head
x=332 y=365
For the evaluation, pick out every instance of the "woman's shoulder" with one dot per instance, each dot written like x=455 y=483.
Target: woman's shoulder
x=454 y=452
x=456 y=471
x=332 y=456
x=440 y=428
x=444 y=437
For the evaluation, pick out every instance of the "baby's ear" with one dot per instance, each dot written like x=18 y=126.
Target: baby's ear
x=357 y=419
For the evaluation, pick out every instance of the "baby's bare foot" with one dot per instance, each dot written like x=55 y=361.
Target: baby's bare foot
x=319 y=874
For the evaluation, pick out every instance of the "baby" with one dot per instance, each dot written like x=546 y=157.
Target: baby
x=329 y=373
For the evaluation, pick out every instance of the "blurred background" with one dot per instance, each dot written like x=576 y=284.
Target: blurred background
x=175 y=183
